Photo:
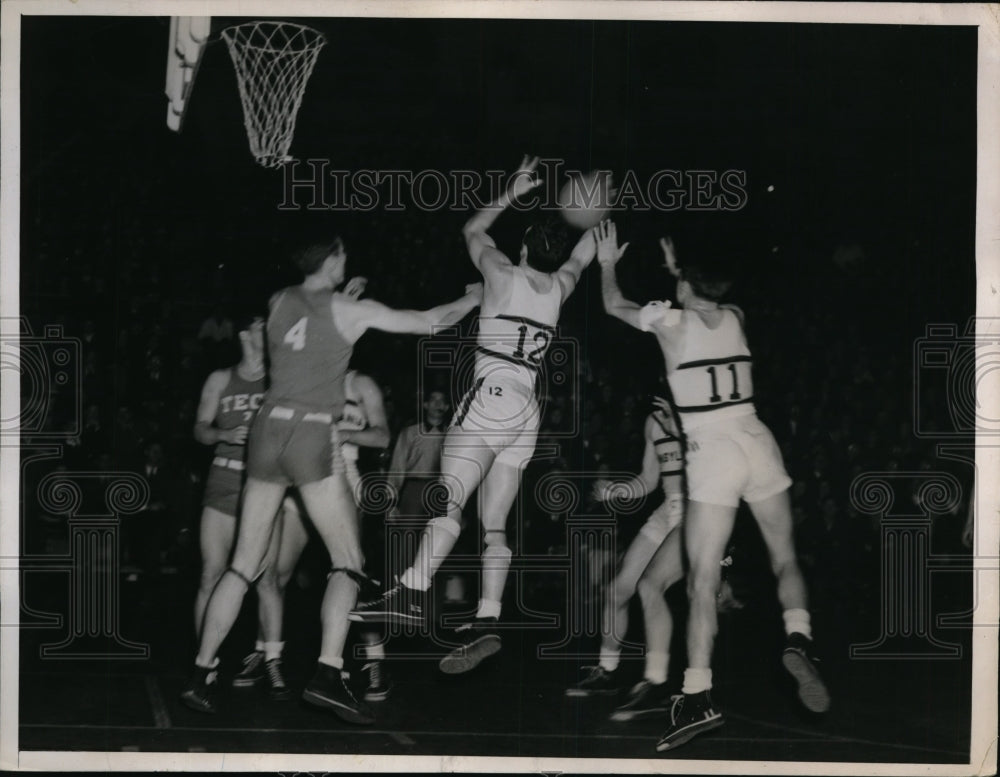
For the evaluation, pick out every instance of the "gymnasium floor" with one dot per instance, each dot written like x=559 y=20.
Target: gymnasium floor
x=900 y=711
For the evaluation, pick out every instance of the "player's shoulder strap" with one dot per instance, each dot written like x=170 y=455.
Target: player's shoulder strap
x=737 y=311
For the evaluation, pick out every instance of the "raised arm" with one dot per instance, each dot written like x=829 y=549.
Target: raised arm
x=208 y=405
x=582 y=255
x=377 y=433
x=482 y=249
x=608 y=254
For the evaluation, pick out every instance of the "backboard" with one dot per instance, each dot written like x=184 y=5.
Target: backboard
x=188 y=36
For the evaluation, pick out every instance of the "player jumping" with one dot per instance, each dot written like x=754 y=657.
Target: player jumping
x=493 y=433
x=731 y=455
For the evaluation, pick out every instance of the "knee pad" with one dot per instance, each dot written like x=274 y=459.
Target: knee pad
x=356 y=577
x=249 y=583
x=445 y=524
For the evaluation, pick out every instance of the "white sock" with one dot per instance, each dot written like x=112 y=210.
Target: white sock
x=374 y=651
x=215 y=663
x=656 y=667
x=697 y=680
x=415 y=580
x=797 y=620
x=272 y=650
x=258 y=646
x=488 y=609
x=609 y=658
x=334 y=661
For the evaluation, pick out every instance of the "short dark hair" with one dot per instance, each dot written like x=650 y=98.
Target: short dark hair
x=709 y=283
x=245 y=318
x=311 y=258
x=546 y=241
x=435 y=388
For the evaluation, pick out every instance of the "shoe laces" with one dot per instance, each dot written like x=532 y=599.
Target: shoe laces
x=273 y=669
x=252 y=661
x=374 y=670
x=593 y=672
x=387 y=596
x=676 y=707
x=345 y=681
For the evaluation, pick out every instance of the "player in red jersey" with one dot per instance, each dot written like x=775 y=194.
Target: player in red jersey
x=731 y=455
x=311 y=331
x=362 y=423
x=495 y=427
x=229 y=401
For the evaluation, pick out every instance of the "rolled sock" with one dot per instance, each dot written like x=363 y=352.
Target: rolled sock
x=488 y=609
x=609 y=658
x=414 y=579
x=273 y=650
x=215 y=663
x=258 y=646
x=334 y=661
x=797 y=620
x=697 y=680
x=656 y=667
x=374 y=651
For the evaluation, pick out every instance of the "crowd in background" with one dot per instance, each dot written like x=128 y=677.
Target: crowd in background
x=833 y=352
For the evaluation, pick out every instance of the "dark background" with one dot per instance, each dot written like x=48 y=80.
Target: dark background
x=132 y=235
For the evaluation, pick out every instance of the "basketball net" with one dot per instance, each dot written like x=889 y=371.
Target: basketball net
x=273 y=62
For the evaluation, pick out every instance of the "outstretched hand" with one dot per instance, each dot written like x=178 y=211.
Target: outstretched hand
x=524 y=178
x=355 y=287
x=667 y=244
x=661 y=404
x=608 y=250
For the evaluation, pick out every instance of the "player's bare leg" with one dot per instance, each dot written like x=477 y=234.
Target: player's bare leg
x=650 y=696
x=774 y=517
x=480 y=638
x=707 y=529
x=216 y=533
x=261 y=501
x=330 y=504
x=464 y=462
x=601 y=679
x=288 y=540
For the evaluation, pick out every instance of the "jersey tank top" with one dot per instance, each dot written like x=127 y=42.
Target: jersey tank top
x=666 y=444
x=238 y=404
x=353 y=418
x=713 y=380
x=511 y=345
x=309 y=356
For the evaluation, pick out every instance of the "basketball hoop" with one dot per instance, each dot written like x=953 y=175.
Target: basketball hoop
x=273 y=62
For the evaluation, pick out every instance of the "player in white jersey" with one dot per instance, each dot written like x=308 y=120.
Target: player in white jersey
x=493 y=434
x=731 y=456
x=663 y=464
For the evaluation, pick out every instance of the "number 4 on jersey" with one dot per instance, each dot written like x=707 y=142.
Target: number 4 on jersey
x=296 y=336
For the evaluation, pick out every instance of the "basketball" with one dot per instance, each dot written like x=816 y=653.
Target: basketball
x=585 y=199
